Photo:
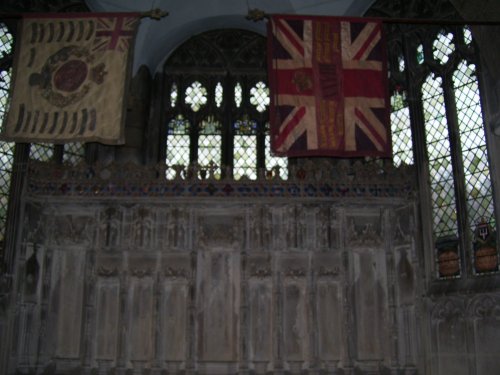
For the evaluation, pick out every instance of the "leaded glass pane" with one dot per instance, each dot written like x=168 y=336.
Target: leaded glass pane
x=210 y=144
x=238 y=92
x=473 y=143
x=401 y=63
x=74 y=153
x=196 y=96
x=218 y=94
x=275 y=161
x=467 y=35
x=443 y=47
x=6 y=148
x=245 y=156
x=401 y=131
x=173 y=95
x=439 y=154
x=259 y=96
x=178 y=143
x=41 y=152
x=420 y=54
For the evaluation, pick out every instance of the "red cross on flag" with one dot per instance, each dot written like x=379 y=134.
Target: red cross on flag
x=328 y=84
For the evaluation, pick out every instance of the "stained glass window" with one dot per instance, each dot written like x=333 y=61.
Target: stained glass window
x=226 y=102
x=452 y=145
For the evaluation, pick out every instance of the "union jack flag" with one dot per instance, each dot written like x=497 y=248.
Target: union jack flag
x=328 y=86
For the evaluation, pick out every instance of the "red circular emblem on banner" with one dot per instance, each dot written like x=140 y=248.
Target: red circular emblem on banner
x=70 y=76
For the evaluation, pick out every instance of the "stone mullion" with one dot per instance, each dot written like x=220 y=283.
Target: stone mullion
x=244 y=315
x=157 y=295
x=414 y=79
x=392 y=303
x=314 y=364
x=191 y=324
x=122 y=323
x=278 y=326
x=89 y=298
x=458 y=174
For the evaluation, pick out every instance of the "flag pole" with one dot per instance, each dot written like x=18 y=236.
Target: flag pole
x=259 y=15
x=155 y=14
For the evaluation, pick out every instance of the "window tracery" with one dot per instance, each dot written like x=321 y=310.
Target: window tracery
x=226 y=101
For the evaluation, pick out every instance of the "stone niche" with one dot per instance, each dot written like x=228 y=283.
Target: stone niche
x=133 y=280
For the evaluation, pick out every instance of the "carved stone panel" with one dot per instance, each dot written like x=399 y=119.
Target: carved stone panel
x=371 y=308
x=296 y=307
x=107 y=317
x=449 y=336
x=484 y=312
x=69 y=267
x=218 y=277
x=174 y=305
x=261 y=306
x=329 y=306
x=140 y=320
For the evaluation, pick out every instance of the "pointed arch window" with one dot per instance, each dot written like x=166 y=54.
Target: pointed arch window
x=443 y=131
x=225 y=99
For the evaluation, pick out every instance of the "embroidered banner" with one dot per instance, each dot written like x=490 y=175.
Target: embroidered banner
x=70 y=77
x=328 y=83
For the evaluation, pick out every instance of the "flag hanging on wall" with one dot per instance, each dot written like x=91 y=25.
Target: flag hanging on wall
x=328 y=83
x=70 y=76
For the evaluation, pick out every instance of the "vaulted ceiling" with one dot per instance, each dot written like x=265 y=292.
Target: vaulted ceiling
x=158 y=38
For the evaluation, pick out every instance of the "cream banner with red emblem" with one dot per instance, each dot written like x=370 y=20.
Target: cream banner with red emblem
x=70 y=78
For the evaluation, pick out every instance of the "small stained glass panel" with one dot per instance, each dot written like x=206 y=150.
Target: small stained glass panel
x=196 y=96
x=245 y=126
x=210 y=126
x=259 y=96
x=443 y=47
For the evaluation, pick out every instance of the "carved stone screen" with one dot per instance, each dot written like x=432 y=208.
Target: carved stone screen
x=217 y=277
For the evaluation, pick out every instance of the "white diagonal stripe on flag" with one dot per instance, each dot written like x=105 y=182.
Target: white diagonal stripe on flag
x=283 y=33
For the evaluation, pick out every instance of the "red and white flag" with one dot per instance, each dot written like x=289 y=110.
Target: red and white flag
x=328 y=82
